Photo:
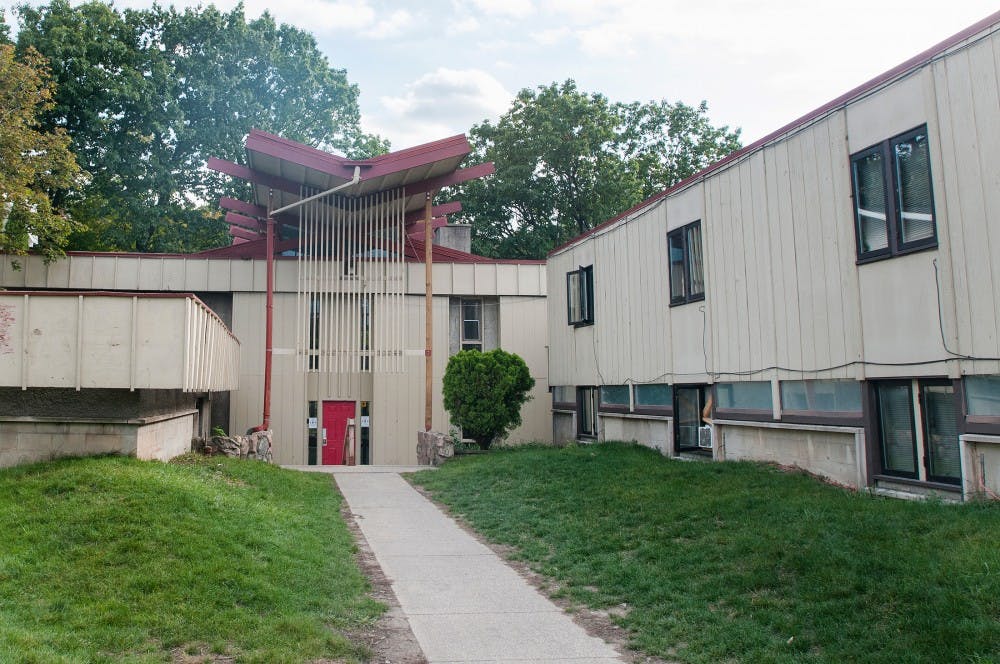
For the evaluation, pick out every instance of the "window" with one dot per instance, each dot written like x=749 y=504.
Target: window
x=563 y=396
x=472 y=325
x=893 y=197
x=982 y=396
x=586 y=399
x=580 y=296
x=918 y=437
x=821 y=396
x=615 y=398
x=653 y=397
x=687 y=280
x=754 y=395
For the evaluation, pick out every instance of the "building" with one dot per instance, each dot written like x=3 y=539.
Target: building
x=826 y=298
x=348 y=299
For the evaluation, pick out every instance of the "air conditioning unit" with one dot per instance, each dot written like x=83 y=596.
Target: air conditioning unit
x=705 y=437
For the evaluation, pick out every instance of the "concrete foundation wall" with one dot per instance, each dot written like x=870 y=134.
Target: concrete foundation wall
x=981 y=466
x=27 y=440
x=563 y=428
x=165 y=439
x=654 y=433
x=826 y=451
x=91 y=404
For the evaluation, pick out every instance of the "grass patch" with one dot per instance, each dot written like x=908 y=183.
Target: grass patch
x=738 y=561
x=113 y=559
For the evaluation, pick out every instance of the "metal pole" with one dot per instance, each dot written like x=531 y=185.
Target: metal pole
x=428 y=312
x=269 y=323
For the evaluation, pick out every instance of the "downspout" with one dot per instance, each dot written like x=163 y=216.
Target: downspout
x=269 y=318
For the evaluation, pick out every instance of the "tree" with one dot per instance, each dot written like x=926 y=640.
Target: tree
x=484 y=392
x=567 y=160
x=32 y=162
x=148 y=95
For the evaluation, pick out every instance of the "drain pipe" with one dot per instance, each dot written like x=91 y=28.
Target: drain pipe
x=269 y=317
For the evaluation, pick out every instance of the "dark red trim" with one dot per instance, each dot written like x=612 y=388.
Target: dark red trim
x=236 y=219
x=453 y=147
x=455 y=177
x=250 y=175
x=915 y=62
x=242 y=233
x=415 y=216
x=242 y=207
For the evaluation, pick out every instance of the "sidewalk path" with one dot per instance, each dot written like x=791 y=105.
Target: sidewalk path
x=463 y=602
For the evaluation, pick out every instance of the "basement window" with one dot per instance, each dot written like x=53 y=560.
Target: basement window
x=893 y=197
x=472 y=324
x=580 y=296
x=615 y=398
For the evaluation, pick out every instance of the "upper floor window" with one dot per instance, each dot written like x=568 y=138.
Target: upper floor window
x=687 y=271
x=580 y=296
x=893 y=197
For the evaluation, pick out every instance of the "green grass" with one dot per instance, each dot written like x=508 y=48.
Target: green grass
x=741 y=562
x=113 y=559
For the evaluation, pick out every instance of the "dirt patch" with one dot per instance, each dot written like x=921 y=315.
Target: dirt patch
x=389 y=638
x=597 y=622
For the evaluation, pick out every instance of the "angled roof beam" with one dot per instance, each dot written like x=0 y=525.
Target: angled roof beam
x=442 y=210
x=456 y=177
x=250 y=175
x=235 y=219
x=236 y=231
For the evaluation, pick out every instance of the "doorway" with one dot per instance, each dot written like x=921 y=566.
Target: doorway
x=335 y=417
x=689 y=401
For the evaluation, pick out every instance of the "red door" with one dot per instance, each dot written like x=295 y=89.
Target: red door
x=335 y=416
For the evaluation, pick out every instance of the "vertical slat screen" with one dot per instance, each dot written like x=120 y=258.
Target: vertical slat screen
x=351 y=278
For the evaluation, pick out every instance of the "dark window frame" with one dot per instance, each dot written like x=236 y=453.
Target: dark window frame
x=665 y=410
x=985 y=425
x=586 y=276
x=893 y=218
x=925 y=425
x=688 y=296
x=613 y=407
x=908 y=383
x=838 y=418
x=748 y=414
x=595 y=400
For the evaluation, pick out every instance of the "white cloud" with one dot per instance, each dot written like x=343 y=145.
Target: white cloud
x=463 y=25
x=506 y=8
x=391 y=26
x=441 y=103
x=551 y=36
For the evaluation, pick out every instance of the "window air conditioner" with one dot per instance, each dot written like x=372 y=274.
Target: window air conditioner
x=705 y=437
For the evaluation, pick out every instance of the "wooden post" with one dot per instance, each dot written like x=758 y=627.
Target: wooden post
x=428 y=312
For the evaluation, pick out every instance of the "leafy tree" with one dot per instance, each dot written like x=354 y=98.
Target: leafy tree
x=32 y=162
x=567 y=160
x=148 y=95
x=484 y=392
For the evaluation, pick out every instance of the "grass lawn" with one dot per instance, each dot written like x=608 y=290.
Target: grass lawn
x=741 y=562
x=112 y=559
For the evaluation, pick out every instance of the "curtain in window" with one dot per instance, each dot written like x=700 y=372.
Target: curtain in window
x=678 y=278
x=695 y=261
x=913 y=174
x=896 y=425
x=942 y=432
x=869 y=187
x=573 y=298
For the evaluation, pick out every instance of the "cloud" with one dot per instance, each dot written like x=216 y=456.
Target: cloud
x=466 y=24
x=505 y=8
x=551 y=36
x=438 y=104
x=392 y=26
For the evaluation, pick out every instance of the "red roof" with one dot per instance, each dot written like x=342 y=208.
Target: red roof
x=915 y=62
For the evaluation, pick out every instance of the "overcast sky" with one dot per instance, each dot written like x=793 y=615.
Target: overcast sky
x=433 y=68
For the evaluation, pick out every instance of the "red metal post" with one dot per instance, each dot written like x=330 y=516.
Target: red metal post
x=269 y=325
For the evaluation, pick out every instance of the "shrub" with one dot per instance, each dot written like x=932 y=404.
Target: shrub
x=484 y=392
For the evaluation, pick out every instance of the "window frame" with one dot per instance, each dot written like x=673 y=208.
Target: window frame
x=740 y=413
x=988 y=425
x=665 y=410
x=463 y=341
x=586 y=302
x=688 y=296
x=582 y=393
x=895 y=246
x=851 y=418
x=608 y=407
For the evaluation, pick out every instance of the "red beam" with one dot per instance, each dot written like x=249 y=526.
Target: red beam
x=248 y=209
x=234 y=219
x=414 y=216
x=250 y=175
x=236 y=231
x=455 y=177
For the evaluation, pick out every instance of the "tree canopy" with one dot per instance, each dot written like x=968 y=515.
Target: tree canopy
x=484 y=392
x=33 y=162
x=566 y=160
x=148 y=95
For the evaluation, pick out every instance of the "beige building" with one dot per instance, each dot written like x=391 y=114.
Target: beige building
x=348 y=347
x=827 y=298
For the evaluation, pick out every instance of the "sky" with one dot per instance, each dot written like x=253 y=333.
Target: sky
x=434 y=68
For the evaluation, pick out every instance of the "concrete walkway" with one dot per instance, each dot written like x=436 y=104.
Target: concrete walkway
x=463 y=602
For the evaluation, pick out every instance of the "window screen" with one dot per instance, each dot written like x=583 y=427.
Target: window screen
x=614 y=395
x=655 y=395
x=754 y=395
x=828 y=396
x=982 y=395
